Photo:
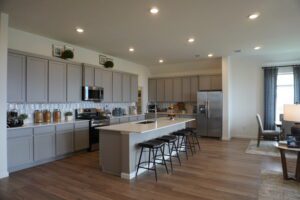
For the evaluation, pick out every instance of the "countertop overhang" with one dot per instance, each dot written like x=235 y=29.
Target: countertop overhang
x=134 y=127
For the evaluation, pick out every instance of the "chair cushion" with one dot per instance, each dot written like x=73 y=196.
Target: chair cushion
x=168 y=138
x=151 y=144
x=271 y=132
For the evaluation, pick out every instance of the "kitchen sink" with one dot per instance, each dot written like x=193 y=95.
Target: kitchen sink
x=146 y=122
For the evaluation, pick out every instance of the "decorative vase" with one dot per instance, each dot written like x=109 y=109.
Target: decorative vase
x=69 y=118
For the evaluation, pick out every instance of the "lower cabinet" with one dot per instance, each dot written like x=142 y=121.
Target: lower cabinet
x=141 y=117
x=44 y=143
x=19 y=148
x=81 y=136
x=114 y=121
x=64 y=139
x=124 y=119
x=133 y=118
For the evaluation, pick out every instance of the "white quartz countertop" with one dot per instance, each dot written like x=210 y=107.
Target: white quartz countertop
x=115 y=117
x=34 y=125
x=134 y=127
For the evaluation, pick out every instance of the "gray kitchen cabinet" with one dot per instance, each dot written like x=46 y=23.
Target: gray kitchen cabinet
x=160 y=90
x=186 y=89
x=107 y=84
x=19 y=148
x=44 y=143
x=98 y=77
x=114 y=121
x=124 y=119
x=57 y=82
x=134 y=88
x=216 y=82
x=133 y=118
x=81 y=136
x=126 y=87
x=16 y=78
x=88 y=75
x=37 y=80
x=152 y=90
x=64 y=139
x=194 y=88
x=74 y=83
x=117 y=87
x=168 y=90
x=204 y=83
x=177 y=90
x=141 y=117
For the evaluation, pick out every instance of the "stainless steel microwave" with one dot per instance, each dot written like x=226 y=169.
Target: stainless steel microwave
x=92 y=93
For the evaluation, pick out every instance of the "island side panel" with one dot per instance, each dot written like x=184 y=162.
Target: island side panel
x=110 y=147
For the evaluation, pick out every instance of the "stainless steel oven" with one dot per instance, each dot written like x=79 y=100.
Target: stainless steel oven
x=92 y=93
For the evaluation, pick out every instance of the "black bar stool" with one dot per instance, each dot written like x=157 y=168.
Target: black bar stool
x=170 y=140
x=194 y=135
x=185 y=142
x=152 y=146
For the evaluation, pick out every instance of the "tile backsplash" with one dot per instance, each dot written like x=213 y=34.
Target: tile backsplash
x=64 y=107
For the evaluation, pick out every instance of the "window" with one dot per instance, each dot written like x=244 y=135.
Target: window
x=285 y=91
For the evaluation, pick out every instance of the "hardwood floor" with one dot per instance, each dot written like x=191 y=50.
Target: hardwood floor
x=220 y=171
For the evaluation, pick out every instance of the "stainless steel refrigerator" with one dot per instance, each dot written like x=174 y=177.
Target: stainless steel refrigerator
x=209 y=113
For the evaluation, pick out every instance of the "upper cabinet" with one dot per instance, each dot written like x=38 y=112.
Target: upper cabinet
x=126 y=97
x=134 y=88
x=216 y=82
x=107 y=84
x=177 y=90
x=213 y=82
x=117 y=87
x=57 y=82
x=74 y=83
x=98 y=77
x=37 y=80
x=160 y=90
x=194 y=88
x=88 y=75
x=168 y=90
x=16 y=78
x=204 y=82
x=186 y=89
x=152 y=90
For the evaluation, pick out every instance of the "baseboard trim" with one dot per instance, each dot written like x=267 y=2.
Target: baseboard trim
x=4 y=174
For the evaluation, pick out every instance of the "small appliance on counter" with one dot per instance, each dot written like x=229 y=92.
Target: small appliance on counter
x=38 y=116
x=118 y=112
x=47 y=116
x=56 y=115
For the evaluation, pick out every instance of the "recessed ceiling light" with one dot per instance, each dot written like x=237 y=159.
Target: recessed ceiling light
x=253 y=16
x=131 y=49
x=154 y=10
x=79 y=30
x=257 y=48
x=191 y=40
x=161 y=61
x=210 y=55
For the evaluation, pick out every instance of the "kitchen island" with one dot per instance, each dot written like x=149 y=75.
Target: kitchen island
x=119 y=151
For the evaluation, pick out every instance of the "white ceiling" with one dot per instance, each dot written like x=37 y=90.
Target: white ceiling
x=112 y=26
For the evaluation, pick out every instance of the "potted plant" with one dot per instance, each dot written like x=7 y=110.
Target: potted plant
x=69 y=116
x=22 y=118
x=67 y=54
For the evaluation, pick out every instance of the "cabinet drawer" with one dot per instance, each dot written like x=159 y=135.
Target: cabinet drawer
x=44 y=130
x=21 y=132
x=133 y=118
x=83 y=124
x=124 y=119
x=141 y=117
x=65 y=127
x=114 y=121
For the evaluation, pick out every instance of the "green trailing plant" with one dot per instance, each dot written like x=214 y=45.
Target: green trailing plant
x=68 y=114
x=67 y=54
x=23 y=117
x=109 y=64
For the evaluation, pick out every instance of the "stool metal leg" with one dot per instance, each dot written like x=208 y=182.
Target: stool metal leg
x=163 y=158
x=190 y=145
x=139 y=162
x=176 y=149
x=154 y=164
x=170 y=153
x=197 y=140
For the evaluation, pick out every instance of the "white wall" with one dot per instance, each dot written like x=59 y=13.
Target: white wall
x=33 y=43
x=201 y=66
x=3 y=96
x=226 y=86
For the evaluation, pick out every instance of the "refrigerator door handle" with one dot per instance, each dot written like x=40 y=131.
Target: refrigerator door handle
x=208 y=110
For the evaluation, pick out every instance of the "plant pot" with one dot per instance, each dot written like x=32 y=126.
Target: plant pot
x=69 y=118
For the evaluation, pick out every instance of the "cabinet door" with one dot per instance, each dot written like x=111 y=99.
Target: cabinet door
x=37 y=80
x=194 y=88
x=160 y=90
x=216 y=82
x=16 y=77
x=186 y=89
x=114 y=121
x=98 y=77
x=19 y=148
x=168 y=90
x=88 y=75
x=152 y=90
x=44 y=143
x=57 y=82
x=64 y=139
x=177 y=89
x=133 y=118
x=107 y=82
x=74 y=83
x=124 y=119
x=204 y=83
x=117 y=87
x=134 y=88
x=141 y=117
x=126 y=88
x=81 y=139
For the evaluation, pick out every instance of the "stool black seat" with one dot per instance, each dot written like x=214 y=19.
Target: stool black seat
x=194 y=136
x=185 y=142
x=153 y=146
